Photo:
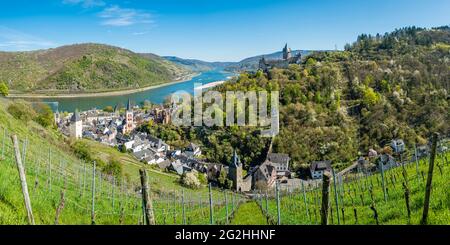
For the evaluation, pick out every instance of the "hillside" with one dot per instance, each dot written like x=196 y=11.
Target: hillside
x=337 y=105
x=84 y=68
x=198 y=65
x=53 y=165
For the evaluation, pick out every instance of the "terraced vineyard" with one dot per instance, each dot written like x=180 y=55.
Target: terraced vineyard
x=351 y=201
x=51 y=169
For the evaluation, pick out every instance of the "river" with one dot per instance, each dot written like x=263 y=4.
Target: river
x=156 y=95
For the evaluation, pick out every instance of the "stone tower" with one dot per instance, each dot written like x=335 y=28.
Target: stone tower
x=57 y=117
x=287 y=53
x=235 y=172
x=129 y=118
x=76 y=126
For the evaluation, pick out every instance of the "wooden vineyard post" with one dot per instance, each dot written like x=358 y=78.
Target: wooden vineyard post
x=84 y=179
x=278 y=203
x=147 y=201
x=325 y=198
x=267 y=203
x=211 y=213
x=417 y=163
x=426 y=206
x=49 y=178
x=373 y=207
x=23 y=181
x=336 y=196
x=112 y=190
x=3 y=143
x=306 y=203
x=183 y=207
x=60 y=207
x=226 y=207
x=174 y=211
x=93 y=195
x=382 y=182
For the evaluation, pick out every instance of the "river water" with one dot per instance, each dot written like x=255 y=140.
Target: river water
x=156 y=95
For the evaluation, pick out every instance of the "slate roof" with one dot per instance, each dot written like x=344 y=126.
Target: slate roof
x=320 y=165
x=75 y=117
x=236 y=162
x=279 y=158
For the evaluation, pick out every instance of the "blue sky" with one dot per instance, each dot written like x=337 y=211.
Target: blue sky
x=213 y=30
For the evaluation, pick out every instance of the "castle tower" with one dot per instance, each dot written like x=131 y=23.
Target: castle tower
x=287 y=53
x=129 y=118
x=235 y=172
x=76 y=126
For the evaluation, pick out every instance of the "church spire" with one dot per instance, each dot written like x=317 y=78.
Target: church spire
x=236 y=160
x=129 y=106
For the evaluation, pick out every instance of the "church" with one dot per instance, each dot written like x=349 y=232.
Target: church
x=284 y=63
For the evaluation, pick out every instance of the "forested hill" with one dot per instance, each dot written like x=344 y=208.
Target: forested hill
x=338 y=104
x=85 y=68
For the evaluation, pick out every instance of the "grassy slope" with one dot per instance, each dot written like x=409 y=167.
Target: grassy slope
x=45 y=191
x=249 y=214
x=84 y=68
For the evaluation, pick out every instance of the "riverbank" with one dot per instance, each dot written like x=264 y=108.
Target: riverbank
x=210 y=85
x=99 y=94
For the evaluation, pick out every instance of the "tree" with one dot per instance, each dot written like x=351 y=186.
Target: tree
x=108 y=109
x=370 y=97
x=21 y=110
x=113 y=167
x=224 y=182
x=44 y=115
x=4 y=90
x=190 y=180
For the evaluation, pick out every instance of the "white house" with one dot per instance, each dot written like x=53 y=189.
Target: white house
x=398 y=145
x=193 y=150
x=129 y=144
x=317 y=168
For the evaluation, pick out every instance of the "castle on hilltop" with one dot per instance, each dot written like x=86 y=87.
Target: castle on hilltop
x=284 y=63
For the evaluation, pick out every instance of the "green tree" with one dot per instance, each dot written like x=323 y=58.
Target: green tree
x=4 y=90
x=44 y=115
x=370 y=97
x=108 y=109
x=113 y=167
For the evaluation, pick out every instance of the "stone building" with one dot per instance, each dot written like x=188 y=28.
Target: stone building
x=235 y=173
x=76 y=126
x=129 y=125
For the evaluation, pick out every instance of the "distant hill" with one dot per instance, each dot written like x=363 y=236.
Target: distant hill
x=248 y=64
x=198 y=65
x=85 y=68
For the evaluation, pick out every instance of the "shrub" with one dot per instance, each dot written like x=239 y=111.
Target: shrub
x=202 y=178
x=81 y=150
x=4 y=90
x=108 y=109
x=190 y=180
x=44 y=115
x=113 y=167
x=21 y=110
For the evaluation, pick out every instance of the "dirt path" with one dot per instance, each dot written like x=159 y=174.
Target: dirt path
x=249 y=214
